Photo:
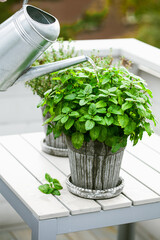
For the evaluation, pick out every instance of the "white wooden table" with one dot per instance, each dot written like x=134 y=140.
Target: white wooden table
x=22 y=169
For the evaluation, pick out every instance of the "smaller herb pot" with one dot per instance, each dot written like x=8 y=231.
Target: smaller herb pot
x=50 y=145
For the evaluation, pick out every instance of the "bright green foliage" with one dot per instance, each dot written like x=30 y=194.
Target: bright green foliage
x=53 y=187
x=77 y=139
x=109 y=110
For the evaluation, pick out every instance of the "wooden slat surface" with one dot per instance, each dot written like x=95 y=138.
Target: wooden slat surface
x=118 y=202
x=136 y=191
x=63 y=164
x=17 y=177
x=141 y=181
x=142 y=172
x=35 y=140
x=38 y=166
x=133 y=190
x=152 y=142
x=145 y=154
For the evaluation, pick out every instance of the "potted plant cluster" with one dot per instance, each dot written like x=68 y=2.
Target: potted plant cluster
x=98 y=112
x=51 y=145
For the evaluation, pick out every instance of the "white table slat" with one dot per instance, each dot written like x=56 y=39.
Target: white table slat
x=118 y=202
x=25 y=186
x=60 y=162
x=136 y=191
x=38 y=166
x=153 y=141
x=148 y=177
x=146 y=154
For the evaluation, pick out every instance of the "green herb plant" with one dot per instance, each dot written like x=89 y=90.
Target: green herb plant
x=41 y=84
x=53 y=186
x=109 y=106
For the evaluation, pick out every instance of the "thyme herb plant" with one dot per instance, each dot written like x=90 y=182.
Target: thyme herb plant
x=110 y=110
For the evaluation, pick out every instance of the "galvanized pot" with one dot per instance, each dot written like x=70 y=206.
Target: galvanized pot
x=94 y=166
x=50 y=145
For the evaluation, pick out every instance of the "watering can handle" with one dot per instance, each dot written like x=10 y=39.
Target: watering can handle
x=25 y=2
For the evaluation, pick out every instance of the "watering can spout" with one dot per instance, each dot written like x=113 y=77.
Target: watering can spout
x=38 y=71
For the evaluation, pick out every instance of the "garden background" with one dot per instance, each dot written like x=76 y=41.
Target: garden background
x=99 y=19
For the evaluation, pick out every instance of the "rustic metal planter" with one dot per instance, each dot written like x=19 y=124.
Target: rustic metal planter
x=94 y=166
x=50 y=145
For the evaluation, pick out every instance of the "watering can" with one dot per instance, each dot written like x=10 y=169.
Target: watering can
x=23 y=38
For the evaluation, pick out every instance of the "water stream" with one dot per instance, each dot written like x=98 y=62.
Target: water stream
x=94 y=66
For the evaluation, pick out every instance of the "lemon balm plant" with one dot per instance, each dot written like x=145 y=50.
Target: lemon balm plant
x=108 y=109
x=98 y=112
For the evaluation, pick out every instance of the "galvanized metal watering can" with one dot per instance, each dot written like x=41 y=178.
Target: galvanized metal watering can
x=23 y=38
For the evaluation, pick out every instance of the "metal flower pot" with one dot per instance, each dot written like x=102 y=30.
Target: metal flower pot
x=50 y=145
x=94 y=167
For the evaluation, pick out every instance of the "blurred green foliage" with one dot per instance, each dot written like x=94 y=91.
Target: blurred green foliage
x=145 y=12
x=89 y=21
x=147 y=15
x=6 y=9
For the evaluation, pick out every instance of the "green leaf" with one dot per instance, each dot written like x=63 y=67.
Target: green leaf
x=106 y=80
x=69 y=123
x=102 y=122
x=116 y=147
x=115 y=109
x=58 y=186
x=82 y=119
x=94 y=132
x=55 y=181
x=66 y=109
x=109 y=120
x=46 y=110
x=127 y=105
x=130 y=128
x=92 y=109
x=70 y=97
x=102 y=134
x=114 y=100
x=77 y=139
x=148 y=128
x=49 y=130
x=97 y=118
x=56 y=192
x=48 y=177
x=89 y=124
x=45 y=188
x=80 y=126
x=101 y=110
x=123 y=120
x=57 y=118
x=41 y=103
x=88 y=90
x=82 y=102
x=47 y=92
x=113 y=89
x=57 y=98
x=101 y=104
x=82 y=75
x=74 y=114
x=64 y=119
x=48 y=120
